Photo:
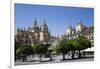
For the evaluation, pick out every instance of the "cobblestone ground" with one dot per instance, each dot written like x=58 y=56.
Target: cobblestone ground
x=56 y=59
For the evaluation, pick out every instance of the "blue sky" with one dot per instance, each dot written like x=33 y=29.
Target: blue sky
x=58 y=18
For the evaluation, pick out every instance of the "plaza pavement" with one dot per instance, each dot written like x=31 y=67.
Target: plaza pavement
x=56 y=59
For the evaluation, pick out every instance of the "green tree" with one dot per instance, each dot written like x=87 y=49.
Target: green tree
x=49 y=53
x=81 y=43
x=62 y=47
x=17 y=47
x=40 y=49
x=25 y=51
x=71 y=47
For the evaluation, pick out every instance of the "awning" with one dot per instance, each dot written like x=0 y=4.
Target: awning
x=89 y=49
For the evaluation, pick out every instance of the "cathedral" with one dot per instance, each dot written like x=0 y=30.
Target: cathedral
x=34 y=34
x=80 y=29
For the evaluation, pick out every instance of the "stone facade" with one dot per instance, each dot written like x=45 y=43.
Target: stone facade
x=33 y=34
x=80 y=29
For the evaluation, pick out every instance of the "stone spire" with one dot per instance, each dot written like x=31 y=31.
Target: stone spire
x=70 y=26
x=69 y=30
x=18 y=29
x=35 y=27
x=80 y=27
x=44 y=26
x=80 y=22
x=35 y=23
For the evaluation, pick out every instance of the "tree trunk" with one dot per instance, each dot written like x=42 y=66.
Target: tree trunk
x=73 y=52
x=79 y=54
x=50 y=58
x=63 y=56
x=40 y=58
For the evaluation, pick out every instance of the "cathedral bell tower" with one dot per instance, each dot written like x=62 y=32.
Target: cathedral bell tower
x=44 y=34
x=35 y=30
